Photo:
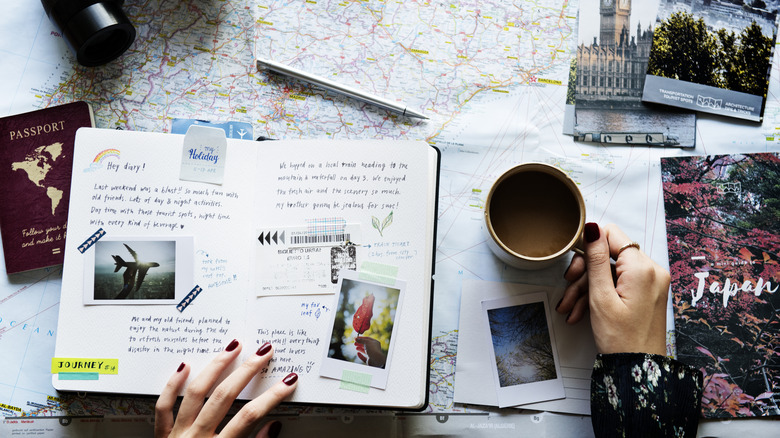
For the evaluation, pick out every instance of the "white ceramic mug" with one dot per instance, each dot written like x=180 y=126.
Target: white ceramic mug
x=534 y=215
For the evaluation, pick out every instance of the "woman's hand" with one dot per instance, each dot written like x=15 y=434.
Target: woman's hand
x=370 y=351
x=627 y=300
x=196 y=419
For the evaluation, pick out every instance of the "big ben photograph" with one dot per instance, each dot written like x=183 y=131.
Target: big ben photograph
x=712 y=56
x=614 y=39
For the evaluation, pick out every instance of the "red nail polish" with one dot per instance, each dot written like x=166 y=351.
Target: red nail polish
x=290 y=379
x=592 y=232
x=181 y=367
x=264 y=349
x=232 y=346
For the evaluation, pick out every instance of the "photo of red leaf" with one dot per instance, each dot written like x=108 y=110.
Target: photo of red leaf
x=362 y=319
x=363 y=322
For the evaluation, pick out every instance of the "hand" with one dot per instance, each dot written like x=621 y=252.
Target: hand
x=196 y=419
x=627 y=300
x=373 y=349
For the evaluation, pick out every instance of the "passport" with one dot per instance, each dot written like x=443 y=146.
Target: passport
x=36 y=160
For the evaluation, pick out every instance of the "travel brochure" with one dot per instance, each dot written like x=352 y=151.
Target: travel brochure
x=723 y=237
x=712 y=56
x=606 y=82
x=640 y=81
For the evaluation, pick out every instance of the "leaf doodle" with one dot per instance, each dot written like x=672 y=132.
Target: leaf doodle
x=362 y=319
x=385 y=223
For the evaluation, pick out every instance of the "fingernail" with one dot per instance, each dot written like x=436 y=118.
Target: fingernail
x=264 y=349
x=181 y=367
x=275 y=429
x=592 y=232
x=232 y=346
x=290 y=379
x=559 y=303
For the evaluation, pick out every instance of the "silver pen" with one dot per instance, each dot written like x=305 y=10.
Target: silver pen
x=338 y=88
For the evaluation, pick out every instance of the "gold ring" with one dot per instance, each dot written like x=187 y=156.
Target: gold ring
x=626 y=246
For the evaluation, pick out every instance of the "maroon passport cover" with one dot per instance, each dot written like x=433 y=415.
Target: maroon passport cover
x=36 y=160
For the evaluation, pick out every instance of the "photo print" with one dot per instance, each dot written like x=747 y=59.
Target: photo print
x=137 y=270
x=524 y=357
x=363 y=331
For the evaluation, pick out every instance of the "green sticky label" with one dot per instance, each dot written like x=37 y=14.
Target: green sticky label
x=378 y=273
x=354 y=381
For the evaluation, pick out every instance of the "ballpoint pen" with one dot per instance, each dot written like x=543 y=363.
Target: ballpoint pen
x=338 y=88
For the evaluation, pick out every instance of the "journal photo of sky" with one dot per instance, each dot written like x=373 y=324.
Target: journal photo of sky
x=522 y=344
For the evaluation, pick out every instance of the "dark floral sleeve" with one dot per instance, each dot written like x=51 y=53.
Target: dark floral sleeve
x=638 y=394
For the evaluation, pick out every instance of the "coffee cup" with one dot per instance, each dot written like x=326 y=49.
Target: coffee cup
x=534 y=215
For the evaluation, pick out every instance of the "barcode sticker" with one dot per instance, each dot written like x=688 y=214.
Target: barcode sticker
x=306 y=259
x=325 y=238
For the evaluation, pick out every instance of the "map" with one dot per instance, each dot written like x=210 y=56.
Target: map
x=490 y=75
x=196 y=60
x=37 y=165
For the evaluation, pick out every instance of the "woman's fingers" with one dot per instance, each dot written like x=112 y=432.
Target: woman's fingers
x=573 y=303
x=163 y=409
x=576 y=268
x=198 y=419
x=601 y=283
x=197 y=390
x=579 y=310
x=617 y=239
x=225 y=393
x=254 y=411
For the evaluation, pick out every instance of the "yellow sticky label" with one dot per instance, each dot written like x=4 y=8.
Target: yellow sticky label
x=70 y=365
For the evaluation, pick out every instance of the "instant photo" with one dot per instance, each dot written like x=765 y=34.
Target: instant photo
x=524 y=357
x=137 y=270
x=362 y=334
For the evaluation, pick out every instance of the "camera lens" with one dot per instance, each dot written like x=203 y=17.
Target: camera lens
x=97 y=32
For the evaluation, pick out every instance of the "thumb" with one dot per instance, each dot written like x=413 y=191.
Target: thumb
x=600 y=283
x=270 y=430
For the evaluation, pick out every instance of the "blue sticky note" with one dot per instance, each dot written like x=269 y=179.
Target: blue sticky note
x=240 y=130
x=78 y=376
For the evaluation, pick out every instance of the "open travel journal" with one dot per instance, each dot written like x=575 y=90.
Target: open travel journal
x=179 y=244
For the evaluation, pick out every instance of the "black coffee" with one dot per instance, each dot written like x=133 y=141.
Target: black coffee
x=534 y=214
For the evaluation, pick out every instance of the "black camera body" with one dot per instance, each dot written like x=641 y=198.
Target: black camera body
x=96 y=31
